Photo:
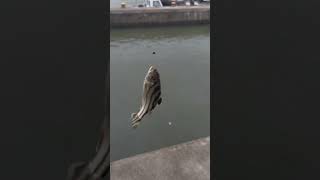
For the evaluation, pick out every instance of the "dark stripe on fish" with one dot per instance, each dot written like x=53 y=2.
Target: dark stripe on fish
x=148 y=93
x=150 y=100
x=151 y=94
x=155 y=102
x=146 y=90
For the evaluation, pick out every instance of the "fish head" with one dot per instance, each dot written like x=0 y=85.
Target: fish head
x=152 y=69
x=152 y=75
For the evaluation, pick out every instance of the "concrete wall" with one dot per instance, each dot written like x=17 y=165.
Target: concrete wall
x=159 y=16
x=186 y=161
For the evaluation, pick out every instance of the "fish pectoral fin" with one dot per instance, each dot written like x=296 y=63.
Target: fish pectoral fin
x=159 y=101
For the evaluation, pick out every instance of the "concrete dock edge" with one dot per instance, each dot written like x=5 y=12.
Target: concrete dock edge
x=186 y=161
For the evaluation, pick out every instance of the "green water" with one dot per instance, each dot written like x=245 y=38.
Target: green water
x=182 y=56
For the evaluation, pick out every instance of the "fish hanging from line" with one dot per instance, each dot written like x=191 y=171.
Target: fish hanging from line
x=151 y=96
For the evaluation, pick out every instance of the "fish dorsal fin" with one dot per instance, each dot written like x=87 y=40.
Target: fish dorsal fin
x=154 y=105
x=159 y=101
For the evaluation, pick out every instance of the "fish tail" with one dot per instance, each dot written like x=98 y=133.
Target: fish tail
x=135 y=120
x=136 y=123
x=133 y=115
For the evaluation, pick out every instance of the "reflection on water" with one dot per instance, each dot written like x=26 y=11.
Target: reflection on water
x=182 y=58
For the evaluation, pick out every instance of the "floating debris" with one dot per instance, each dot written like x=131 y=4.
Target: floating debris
x=169 y=123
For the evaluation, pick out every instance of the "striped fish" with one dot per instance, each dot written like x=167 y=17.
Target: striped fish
x=151 y=96
x=99 y=167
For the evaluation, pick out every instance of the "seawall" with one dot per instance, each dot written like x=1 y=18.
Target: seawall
x=135 y=17
x=186 y=161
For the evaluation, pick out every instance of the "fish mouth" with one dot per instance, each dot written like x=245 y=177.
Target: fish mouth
x=152 y=74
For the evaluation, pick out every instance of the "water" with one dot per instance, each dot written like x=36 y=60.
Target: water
x=182 y=58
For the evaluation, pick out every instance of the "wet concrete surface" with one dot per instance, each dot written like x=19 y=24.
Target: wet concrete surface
x=186 y=161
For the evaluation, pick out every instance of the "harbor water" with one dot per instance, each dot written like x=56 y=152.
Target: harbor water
x=182 y=56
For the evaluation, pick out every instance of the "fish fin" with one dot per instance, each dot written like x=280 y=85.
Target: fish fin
x=153 y=106
x=135 y=119
x=133 y=115
x=75 y=170
x=136 y=123
x=159 y=101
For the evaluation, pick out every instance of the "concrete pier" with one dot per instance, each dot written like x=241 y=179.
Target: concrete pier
x=186 y=161
x=133 y=17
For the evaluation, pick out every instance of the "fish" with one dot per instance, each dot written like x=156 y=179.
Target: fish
x=151 y=96
x=99 y=167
